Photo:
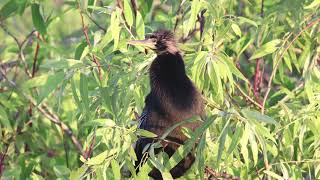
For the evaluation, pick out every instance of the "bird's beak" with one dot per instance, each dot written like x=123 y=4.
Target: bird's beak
x=148 y=43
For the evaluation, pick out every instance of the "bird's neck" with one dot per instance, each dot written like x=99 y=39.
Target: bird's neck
x=169 y=81
x=167 y=68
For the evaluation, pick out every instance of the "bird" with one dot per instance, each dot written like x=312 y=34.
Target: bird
x=173 y=98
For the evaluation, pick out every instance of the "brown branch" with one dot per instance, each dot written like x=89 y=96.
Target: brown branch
x=96 y=23
x=87 y=153
x=20 y=46
x=85 y=32
x=212 y=174
x=45 y=111
x=247 y=97
x=134 y=7
x=35 y=57
x=120 y=5
x=178 y=16
x=280 y=58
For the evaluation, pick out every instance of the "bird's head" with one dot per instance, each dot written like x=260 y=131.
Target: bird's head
x=160 y=41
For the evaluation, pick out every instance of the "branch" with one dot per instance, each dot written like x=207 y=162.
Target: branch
x=247 y=96
x=44 y=110
x=257 y=80
x=280 y=58
x=212 y=174
x=35 y=57
x=85 y=32
x=95 y=22
x=178 y=16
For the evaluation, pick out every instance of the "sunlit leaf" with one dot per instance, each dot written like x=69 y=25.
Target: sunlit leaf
x=236 y=29
x=266 y=49
x=128 y=13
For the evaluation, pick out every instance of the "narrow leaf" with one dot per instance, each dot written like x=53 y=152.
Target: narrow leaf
x=266 y=49
x=37 y=19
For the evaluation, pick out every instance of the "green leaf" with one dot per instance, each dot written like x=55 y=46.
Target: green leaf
x=100 y=158
x=254 y=115
x=79 y=50
x=234 y=69
x=37 y=19
x=145 y=133
x=314 y=3
x=128 y=14
x=140 y=26
x=84 y=91
x=200 y=155
x=222 y=140
x=10 y=7
x=63 y=64
x=101 y=122
x=266 y=49
x=36 y=82
x=235 y=139
x=195 y=8
x=273 y=174
x=4 y=119
x=115 y=29
x=116 y=169
x=236 y=29
x=51 y=84
x=183 y=150
x=107 y=38
x=254 y=147
x=249 y=21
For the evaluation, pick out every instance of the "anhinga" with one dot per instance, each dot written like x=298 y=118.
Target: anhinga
x=173 y=98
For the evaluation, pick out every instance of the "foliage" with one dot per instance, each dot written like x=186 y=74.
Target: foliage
x=70 y=85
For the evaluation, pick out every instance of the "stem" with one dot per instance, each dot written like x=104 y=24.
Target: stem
x=280 y=58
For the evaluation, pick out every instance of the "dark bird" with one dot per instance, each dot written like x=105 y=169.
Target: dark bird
x=173 y=98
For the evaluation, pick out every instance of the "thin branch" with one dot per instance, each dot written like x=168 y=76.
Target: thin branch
x=45 y=111
x=96 y=23
x=35 y=57
x=247 y=96
x=257 y=80
x=9 y=33
x=178 y=16
x=279 y=60
x=212 y=174
x=85 y=31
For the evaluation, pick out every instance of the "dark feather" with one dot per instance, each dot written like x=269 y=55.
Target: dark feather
x=173 y=98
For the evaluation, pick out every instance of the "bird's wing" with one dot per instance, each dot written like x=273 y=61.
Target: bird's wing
x=143 y=118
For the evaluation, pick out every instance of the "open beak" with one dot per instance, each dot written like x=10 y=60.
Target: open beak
x=148 y=43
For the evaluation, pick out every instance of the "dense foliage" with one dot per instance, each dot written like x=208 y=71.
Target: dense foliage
x=70 y=86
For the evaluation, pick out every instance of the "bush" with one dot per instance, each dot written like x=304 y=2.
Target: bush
x=70 y=86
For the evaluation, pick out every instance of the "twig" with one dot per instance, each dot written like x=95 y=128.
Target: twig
x=216 y=175
x=201 y=20
x=44 y=110
x=96 y=23
x=9 y=33
x=35 y=57
x=247 y=96
x=88 y=152
x=85 y=31
x=134 y=7
x=257 y=80
x=178 y=17
x=20 y=46
x=279 y=60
